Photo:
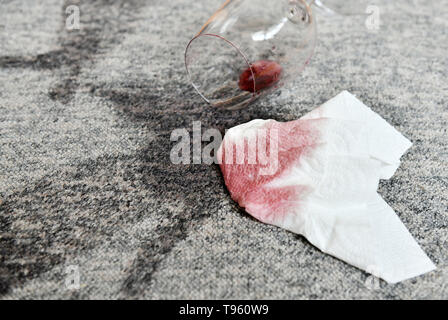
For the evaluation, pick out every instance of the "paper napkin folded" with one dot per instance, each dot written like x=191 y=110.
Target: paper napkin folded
x=318 y=176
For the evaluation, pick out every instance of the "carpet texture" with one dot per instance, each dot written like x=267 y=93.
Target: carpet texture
x=85 y=174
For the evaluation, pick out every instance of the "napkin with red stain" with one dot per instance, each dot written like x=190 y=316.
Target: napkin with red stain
x=318 y=176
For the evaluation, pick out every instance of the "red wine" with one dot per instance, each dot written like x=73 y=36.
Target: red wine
x=265 y=73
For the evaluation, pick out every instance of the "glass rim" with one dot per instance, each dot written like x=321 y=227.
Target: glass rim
x=246 y=60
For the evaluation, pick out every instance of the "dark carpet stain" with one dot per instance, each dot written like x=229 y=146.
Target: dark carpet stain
x=47 y=61
x=141 y=104
x=198 y=186
x=81 y=207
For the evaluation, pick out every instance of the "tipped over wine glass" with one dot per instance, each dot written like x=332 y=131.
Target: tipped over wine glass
x=250 y=48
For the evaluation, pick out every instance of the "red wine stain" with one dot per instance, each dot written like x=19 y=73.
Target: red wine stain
x=250 y=188
x=265 y=73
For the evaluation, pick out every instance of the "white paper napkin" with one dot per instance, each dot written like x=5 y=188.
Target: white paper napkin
x=324 y=184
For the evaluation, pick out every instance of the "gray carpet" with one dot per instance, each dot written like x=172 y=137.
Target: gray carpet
x=85 y=175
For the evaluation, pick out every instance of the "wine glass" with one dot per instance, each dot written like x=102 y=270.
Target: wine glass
x=249 y=48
